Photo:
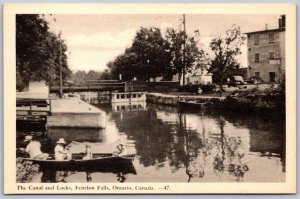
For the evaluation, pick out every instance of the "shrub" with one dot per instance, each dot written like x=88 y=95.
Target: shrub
x=25 y=170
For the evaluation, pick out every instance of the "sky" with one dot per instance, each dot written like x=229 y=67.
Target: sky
x=94 y=40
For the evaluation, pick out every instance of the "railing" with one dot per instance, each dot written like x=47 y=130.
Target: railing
x=108 y=86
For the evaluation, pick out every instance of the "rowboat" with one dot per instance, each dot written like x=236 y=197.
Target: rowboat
x=106 y=163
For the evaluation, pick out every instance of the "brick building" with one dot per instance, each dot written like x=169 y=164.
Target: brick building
x=266 y=53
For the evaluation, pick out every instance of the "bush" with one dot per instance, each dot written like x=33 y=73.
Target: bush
x=25 y=170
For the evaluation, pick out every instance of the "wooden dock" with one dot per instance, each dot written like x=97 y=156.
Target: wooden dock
x=33 y=110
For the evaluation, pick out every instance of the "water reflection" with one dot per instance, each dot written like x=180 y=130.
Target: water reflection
x=77 y=134
x=125 y=107
x=173 y=146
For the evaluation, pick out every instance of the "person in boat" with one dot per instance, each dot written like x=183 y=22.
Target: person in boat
x=59 y=150
x=88 y=152
x=33 y=148
x=122 y=148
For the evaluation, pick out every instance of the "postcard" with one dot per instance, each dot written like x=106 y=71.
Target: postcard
x=149 y=98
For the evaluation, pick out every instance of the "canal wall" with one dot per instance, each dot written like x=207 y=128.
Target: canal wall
x=75 y=113
x=172 y=100
x=260 y=102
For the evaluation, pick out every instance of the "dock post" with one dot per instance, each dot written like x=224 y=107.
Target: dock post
x=30 y=107
x=49 y=107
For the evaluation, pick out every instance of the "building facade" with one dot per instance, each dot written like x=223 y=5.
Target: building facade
x=266 y=53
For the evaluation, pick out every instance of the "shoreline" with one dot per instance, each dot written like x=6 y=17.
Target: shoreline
x=262 y=103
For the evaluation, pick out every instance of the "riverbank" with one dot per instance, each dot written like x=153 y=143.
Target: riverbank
x=173 y=99
x=250 y=101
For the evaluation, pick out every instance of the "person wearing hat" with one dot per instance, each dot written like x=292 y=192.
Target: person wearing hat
x=59 y=150
x=122 y=148
x=33 y=148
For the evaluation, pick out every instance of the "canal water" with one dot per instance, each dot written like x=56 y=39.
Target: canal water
x=178 y=146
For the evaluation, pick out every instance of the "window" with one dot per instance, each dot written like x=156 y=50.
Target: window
x=256 y=57
x=272 y=76
x=256 y=39
x=256 y=74
x=271 y=38
x=271 y=55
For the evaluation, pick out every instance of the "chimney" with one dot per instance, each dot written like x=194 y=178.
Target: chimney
x=282 y=22
x=266 y=26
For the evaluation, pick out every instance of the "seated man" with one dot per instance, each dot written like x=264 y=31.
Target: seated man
x=33 y=148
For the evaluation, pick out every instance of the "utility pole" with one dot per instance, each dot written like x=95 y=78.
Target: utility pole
x=60 y=67
x=184 y=38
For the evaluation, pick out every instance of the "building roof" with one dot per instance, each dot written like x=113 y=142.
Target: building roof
x=265 y=31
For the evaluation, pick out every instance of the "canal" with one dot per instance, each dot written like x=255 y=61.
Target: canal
x=174 y=146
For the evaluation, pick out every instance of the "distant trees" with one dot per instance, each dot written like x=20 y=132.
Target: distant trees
x=81 y=76
x=225 y=51
x=106 y=75
x=38 y=51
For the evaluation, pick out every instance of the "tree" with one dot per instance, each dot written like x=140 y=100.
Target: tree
x=79 y=76
x=225 y=51
x=105 y=75
x=126 y=65
x=148 y=56
x=193 y=55
x=38 y=51
x=152 y=52
x=92 y=75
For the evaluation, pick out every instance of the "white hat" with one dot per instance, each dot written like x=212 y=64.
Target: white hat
x=61 y=141
x=28 y=138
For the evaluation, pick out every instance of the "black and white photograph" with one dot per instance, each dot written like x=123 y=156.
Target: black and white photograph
x=155 y=97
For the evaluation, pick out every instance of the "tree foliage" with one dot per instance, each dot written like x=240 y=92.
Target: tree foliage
x=25 y=170
x=106 y=75
x=225 y=51
x=152 y=55
x=81 y=77
x=148 y=56
x=181 y=61
x=38 y=51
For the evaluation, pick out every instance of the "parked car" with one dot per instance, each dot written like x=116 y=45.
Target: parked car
x=236 y=81
x=254 y=80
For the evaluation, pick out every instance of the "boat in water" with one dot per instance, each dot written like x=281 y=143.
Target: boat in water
x=106 y=163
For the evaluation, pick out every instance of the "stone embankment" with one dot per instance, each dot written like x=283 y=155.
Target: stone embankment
x=249 y=102
x=172 y=100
